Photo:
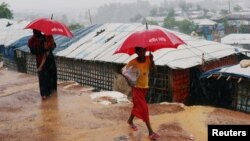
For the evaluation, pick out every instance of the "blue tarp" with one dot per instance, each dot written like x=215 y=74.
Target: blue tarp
x=220 y=27
x=8 y=52
x=231 y=70
x=20 y=42
x=61 y=41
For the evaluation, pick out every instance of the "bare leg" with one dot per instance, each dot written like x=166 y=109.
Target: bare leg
x=150 y=131
x=131 y=123
x=130 y=120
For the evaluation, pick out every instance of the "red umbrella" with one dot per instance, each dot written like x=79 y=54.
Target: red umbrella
x=50 y=27
x=152 y=39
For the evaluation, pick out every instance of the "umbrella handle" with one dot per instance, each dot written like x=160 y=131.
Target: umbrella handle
x=151 y=59
x=150 y=53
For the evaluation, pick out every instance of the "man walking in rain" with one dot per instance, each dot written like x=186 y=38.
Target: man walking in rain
x=140 y=88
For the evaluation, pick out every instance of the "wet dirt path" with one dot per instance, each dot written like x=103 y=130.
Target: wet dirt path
x=70 y=115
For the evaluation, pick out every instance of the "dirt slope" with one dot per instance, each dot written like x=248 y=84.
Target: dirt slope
x=70 y=115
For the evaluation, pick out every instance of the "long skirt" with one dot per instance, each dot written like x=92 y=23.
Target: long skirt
x=44 y=86
x=48 y=76
x=140 y=107
x=52 y=75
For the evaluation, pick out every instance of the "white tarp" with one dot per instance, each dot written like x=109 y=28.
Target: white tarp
x=236 y=39
x=10 y=34
x=106 y=97
x=203 y=22
x=95 y=48
x=237 y=70
x=234 y=70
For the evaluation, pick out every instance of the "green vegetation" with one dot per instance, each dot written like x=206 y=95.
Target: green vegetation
x=244 y=29
x=5 y=12
x=169 y=21
x=75 y=26
x=186 y=26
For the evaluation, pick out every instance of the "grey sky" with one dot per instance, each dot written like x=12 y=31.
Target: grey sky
x=22 y=5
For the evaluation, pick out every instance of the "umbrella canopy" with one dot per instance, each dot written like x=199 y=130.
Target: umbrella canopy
x=49 y=27
x=151 y=39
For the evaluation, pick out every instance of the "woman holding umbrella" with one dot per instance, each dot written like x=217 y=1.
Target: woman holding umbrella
x=42 y=46
x=140 y=88
x=49 y=60
x=37 y=47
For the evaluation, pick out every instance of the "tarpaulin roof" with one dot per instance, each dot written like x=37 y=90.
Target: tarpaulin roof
x=234 y=70
x=204 y=22
x=234 y=39
x=101 y=43
x=11 y=31
x=20 y=42
x=61 y=41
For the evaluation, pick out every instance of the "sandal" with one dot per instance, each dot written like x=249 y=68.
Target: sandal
x=133 y=127
x=154 y=136
x=44 y=97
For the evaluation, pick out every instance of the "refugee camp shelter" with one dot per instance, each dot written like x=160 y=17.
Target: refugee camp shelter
x=238 y=40
x=206 y=27
x=238 y=76
x=90 y=61
x=10 y=32
x=10 y=56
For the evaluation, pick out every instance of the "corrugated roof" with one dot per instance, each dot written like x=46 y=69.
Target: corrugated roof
x=102 y=47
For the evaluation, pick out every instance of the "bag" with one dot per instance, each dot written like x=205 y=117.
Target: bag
x=131 y=73
x=245 y=63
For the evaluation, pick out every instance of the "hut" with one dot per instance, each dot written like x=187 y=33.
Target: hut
x=205 y=27
x=16 y=60
x=12 y=35
x=237 y=76
x=238 y=40
x=90 y=61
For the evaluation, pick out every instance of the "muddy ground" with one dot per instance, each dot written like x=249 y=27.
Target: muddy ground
x=70 y=115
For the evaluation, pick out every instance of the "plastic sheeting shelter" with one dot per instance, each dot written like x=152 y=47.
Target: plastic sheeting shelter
x=21 y=44
x=9 y=51
x=90 y=61
x=226 y=71
x=23 y=52
x=64 y=42
x=237 y=77
x=236 y=39
x=102 y=47
x=12 y=36
x=11 y=31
